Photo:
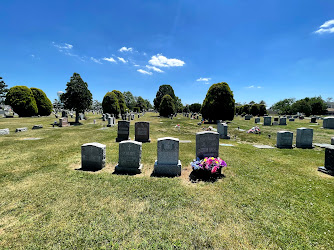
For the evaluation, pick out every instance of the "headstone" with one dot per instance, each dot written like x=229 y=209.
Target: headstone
x=168 y=163
x=111 y=122
x=304 y=138
x=291 y=119
x=129 y=160
x=64 y=113
x=222 y=130
x=104 y=117
x=282 y=121
x=21 y=129
x=138 y=116
x=4 y=131
x=329 y=161
x=107 y=116
x=257 y=120
x=332 y=140
x=123 y=131
x=284 y=139
x=275 y=119
x=37 y=127
x=247 y=117
x=93 y=156
x=63 y=122
x=142 y=132
x=328 y=122
x=267 y=121
x=275 y=123
x=207 y=144
x=129 y=117
x=132 y=117
x=314 y=120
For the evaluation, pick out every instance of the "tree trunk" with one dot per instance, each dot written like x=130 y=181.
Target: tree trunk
x=77 y=116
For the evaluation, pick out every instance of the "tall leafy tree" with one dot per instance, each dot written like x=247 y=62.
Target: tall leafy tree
x=284 y=106
x=141 y=103
x=167 y=106
x=44 y=104
x=302 y=106
x=148 y=104
x=163 y=90
x=110 y=104
x=22 y=100
x=77 y=95
x=178 y=105
x=130 y=100
x=3 y=91
x=121 y=101
x=195 y=107
x=318 y=106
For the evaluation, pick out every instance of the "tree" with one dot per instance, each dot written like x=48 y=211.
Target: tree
x=262 y=102
x=121 y=101
x=77 y=96
x=130 y=101
x=163 y=90
x=3 y=91
x=218 y=103
x=255 y=109
x=44 y=104
x=186 y=109
x=178 y=105
x=252 y=103
x=110 y=104
x=96 y=105
x=284 y=106
x=141 y=103
x=263 y=109
x=148 y=104
x=22 y=100
x=167 y=106
x=318 y=106
x=302 y=106
x=195 y=107
x=245 y=109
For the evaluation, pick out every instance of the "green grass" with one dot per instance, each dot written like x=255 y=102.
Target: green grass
x=269 y=198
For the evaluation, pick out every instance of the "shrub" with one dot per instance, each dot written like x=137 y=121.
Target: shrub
x=121 y=101
x=255 y=109
x=195 y=107
x=22 y=100
x=44 y=104
x=110 y=104
x=167 y=106
x=218 y=103
x=163 y=90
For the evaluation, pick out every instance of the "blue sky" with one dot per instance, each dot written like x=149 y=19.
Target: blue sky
x=265 y=50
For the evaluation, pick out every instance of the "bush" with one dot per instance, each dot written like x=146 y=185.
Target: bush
x=195 y=107
x=255 y=109
x=110 y=104
x=22 y=100
x=43 y=103
x=163 y=90
x=218 y=103
x=263 y=110
x=121 y=101
x=167 y=106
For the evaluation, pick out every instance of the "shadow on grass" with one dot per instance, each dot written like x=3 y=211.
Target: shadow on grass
x=87 y=170
x=196 y=176
x=162 y=175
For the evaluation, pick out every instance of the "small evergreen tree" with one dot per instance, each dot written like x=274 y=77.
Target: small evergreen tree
x=22 y=100
x=121 y=101
x=167 y=106
x=141 y=103
x=44 y=104
x=3 y=91
x=110 y=104
x=163 y=90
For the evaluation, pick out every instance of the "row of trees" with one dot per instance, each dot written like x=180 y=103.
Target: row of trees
x=308 y=106
x=252 y=109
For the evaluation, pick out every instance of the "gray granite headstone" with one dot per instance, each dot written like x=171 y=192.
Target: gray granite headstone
x=282 y=121
x=93 y=156
x=257 y=120
x=129 y=160
x=284 y=139
x=123 y=131
x=168 y=163
x=304 y=138
x=37 y=127
x=142 y=131
x=247 y=117
x=4 y=131
x=111 y=121
x=104 y=117
x=332 y=140
x=329 y=161
x=222 y=130
x=313 y=119
x=21 y=129
x=207 y=144
x=267 y=121
x=276 y=119
x=328 y=122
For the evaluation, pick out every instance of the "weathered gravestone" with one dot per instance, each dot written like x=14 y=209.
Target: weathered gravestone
x=257 y=120
x=142 y=132
x=329 y=161
x=168 y=163
x=63 y=122
x=284 y=139
x=332 y=141
x=304 y=138
x=276 y=119
x=93 y=156
x=64 y=114
x=21 y=129
x=37 y=127
x=282 y=121
x=222 y=130
x=314 y=120
x=129 y=160
x=267 y=121
x=328 y=122
x=291 y=119
x=123 y=131
x=4 y=131
x=207 y=144
x=111 y=121
x=247 y=117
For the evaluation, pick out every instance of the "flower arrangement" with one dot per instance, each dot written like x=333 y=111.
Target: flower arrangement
x=209 y=164
x=254 y=130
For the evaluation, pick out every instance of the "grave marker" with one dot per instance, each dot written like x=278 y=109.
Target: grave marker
x=129 y=159
x=284 y=139
x=142 y=132
x=123 y=131
x=93 y=156
x=207 y=144
x=304 y=138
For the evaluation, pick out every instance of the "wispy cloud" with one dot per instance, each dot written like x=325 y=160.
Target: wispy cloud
x=122 y=59
x=65 y=46
x=144 y=72
x=95 y=60
x=253 y=87
x=125 y=49
x=203 y=79
x=161 y=61
x=154 y=69
x=327 y=27
x=109 y=59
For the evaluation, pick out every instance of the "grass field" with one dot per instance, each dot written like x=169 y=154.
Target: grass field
x=268 y=199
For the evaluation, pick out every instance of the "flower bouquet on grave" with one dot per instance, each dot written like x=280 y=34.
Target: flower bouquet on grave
x=208 y=168
x=254 y=130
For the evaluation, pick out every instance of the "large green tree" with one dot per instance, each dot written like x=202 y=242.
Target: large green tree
x=77 y=95
x=44 y=104
x=3 y=91
x=22 y=100
x=302 y=106
x=218 y=103
x=318 y=106
x=110 y=104
x=167 y=106
x=283 y=107
x=121 y=101
x=195 y=107
x=163 y=90
x=130 y=100
x=141 y=103
x=178 y=105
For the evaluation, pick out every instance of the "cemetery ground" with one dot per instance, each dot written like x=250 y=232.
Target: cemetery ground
x=269 y=198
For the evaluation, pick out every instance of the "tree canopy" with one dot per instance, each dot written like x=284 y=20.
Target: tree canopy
x=44 y=104
x=3 y=91
x=167 y=106
x=163 y=90
x=22 y=100
x=110 y=104
x=121 y=101
x=195 y=107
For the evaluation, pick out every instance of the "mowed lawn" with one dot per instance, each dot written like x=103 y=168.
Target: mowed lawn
x=268 y=199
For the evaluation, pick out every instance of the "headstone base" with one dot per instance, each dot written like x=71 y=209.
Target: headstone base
x=224 y=137
x=167 y=169
x=126 y=170
x=326 y=171
x=143 y=141
x=110 y=125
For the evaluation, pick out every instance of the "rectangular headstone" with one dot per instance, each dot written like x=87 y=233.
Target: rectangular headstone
x=284 y=139
x=21 y=129
x=4 y=131
x=328 y=122
x=222 y=130
x=276 y=119
x=257 y=120
x=247 y=117
x=313 y=119
x=142 y=131
x=129 y=160
x=63 y=122
x=110 y=121
x=207 y=144
x=329 y=158
x=304 y=138
x=93 y=156
x=332 y=141
x=123 y=131
x=282 y=121
x=267 y=121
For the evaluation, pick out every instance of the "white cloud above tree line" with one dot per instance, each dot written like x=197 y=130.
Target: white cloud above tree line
x=326 y=27
x=144 y=72
x=161 y=61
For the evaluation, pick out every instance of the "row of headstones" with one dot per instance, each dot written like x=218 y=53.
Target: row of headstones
x=5 y=131
x=328 y=122
x=93 y=155
x=142 y=131
x=304 y=138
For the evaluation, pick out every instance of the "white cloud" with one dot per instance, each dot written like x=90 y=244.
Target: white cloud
x=122 y=60
x=95 y=60
x=125 y=49
x=110 y=59
x=327 y=27
x=144 y=72
x=253 y=87
x=154 y=69
x=65 y=46
x=161 y=61
x=136 y=65
x=203 y=79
